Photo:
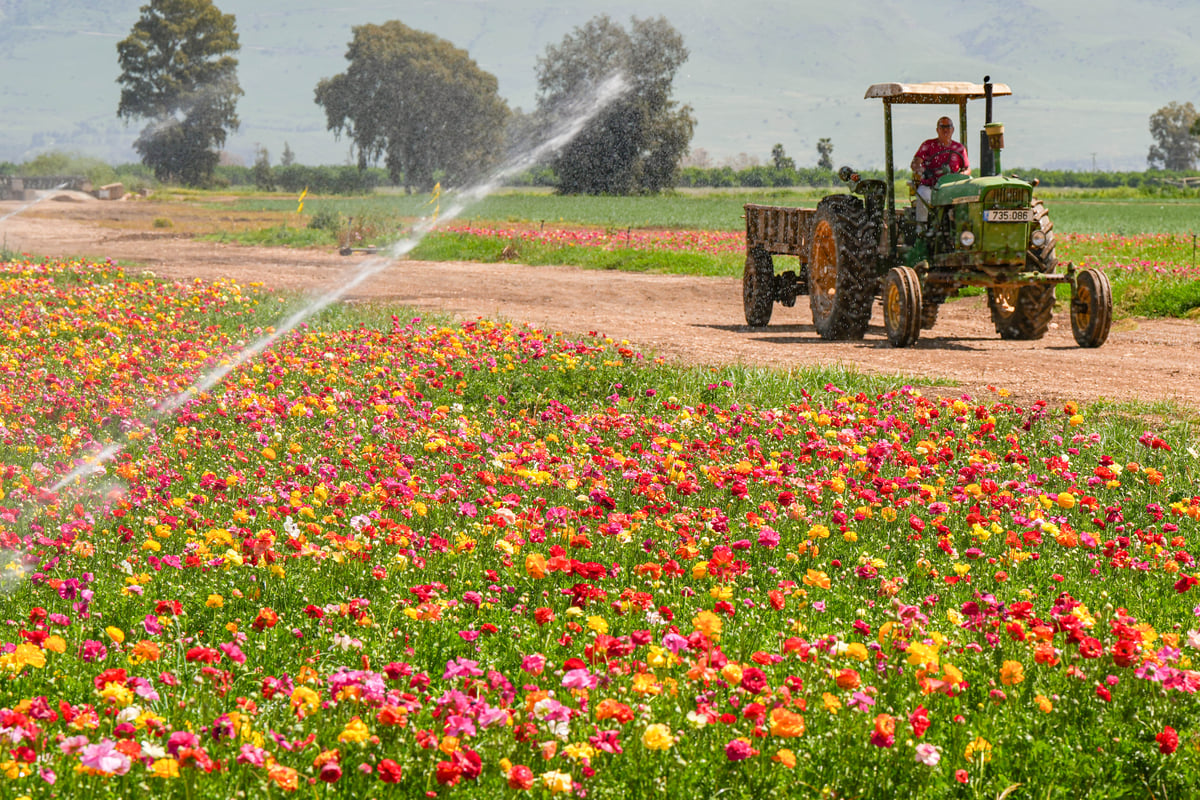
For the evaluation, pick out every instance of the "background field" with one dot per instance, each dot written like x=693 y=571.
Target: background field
x=1074 y=212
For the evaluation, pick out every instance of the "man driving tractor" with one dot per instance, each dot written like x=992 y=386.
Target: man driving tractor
x=935 y=158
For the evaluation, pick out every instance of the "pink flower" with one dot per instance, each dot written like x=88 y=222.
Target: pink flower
x=254 y=756
x=928 y=754
x=579 y=679
x=73 y=744
x=105 y=757
x=739 y=750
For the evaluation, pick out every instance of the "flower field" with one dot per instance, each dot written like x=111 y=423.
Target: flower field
x=390 y=558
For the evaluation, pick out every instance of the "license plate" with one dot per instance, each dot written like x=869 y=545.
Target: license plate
x=1008 y=215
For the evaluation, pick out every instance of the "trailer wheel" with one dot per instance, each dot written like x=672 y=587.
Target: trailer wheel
x=841 y=277
x=758 y=297
x=1091 y=308
x=1024 y=313
x=902 y=307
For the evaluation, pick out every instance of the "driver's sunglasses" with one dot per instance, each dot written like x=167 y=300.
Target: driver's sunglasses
x=945 y=125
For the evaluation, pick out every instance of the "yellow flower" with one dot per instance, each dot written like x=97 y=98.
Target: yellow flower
x=165 y=768
x=857 y=651
x=732 y=673
x=305 y=700
x=115 y=633
x=355 y=731
x=28 y=655
x=215 y=601
x=978 y=747
x=832 y=704
x=598 y=624
x=1012 y=673
x=578 y=751
x=657 y=737
x=557 y=782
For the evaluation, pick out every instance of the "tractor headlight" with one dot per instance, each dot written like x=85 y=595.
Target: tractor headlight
x=1037 y=238
x=966 y=238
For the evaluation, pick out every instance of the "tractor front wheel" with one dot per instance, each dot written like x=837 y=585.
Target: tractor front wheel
x=902 y=306
x=1091 y=308
x=1025 y=312
x=758 y=297
x=841 y=277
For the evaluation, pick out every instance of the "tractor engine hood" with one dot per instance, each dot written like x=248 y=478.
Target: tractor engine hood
x=960 y=188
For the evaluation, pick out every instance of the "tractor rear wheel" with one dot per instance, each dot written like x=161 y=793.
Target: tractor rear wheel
x=841 y=276
x=1091 y=308
x=902 y=309
x=1025 y=312
x=758 y=297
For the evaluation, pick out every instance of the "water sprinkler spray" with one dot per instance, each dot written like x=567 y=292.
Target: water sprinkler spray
x=575 y=118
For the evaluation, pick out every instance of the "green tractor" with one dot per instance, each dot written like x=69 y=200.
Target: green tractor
x=987 y=231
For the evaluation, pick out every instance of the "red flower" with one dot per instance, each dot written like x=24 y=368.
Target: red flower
x=1090 y=647
x=1125 y=653
x=1168 y=740
x=389 y=771
x=919 y=719
x=331 y=772
x=961 y=776
x=520 y=777
x=448 y=772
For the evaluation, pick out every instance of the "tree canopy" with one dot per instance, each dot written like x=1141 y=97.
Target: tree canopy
x=636 y=142
x=418 y=101
x=1174 y=128
x=178 y=72
x=825 y=153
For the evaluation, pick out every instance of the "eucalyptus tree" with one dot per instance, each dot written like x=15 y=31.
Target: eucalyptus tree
x=178 y=71
x=417 y=101
x=635 y=144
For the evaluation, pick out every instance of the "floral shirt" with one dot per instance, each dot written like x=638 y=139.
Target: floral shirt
x=939 y=159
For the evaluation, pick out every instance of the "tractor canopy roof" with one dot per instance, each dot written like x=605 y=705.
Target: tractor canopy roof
x=944 y=92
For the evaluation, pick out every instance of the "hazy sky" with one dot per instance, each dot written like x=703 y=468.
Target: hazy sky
x=1086 y=74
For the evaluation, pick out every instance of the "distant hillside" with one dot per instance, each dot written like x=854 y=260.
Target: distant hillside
x=1086 y=74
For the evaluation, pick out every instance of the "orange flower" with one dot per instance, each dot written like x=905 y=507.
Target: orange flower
x=392 y=715
x=1012 y=673
x=612 y=709
x=848 y=679
x=786 y=724
x=535 y=565
x=145 y=650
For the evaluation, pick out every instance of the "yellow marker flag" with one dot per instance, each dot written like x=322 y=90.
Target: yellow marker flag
x=435 y=200
x=303 y=195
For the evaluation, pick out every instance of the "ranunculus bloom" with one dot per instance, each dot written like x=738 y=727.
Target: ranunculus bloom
x=786 y=724
x=657 y=737
x=389 y=771
x=520 y=777
x=1168 y=740
x=928 y=754
x=739 y=750
x=1012 y=673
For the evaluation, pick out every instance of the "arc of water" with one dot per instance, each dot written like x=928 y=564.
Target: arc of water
x=574 y=120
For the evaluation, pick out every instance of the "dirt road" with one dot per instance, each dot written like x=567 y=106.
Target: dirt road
x=685 y=319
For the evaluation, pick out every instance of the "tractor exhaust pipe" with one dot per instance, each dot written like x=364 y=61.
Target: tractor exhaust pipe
x=987 y=163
